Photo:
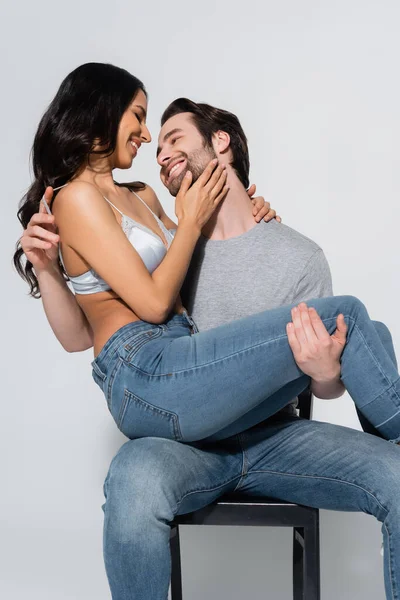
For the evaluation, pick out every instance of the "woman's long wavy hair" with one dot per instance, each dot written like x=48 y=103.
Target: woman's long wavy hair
x=85 y=112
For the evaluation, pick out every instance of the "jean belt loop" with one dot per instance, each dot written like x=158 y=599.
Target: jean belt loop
x=191 y=322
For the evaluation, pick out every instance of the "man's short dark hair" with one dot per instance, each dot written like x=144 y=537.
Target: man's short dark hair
x=208 y=121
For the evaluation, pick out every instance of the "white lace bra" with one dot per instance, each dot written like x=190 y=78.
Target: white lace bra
x=148 y=244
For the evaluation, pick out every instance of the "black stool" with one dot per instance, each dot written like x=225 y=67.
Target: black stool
x=239 y=510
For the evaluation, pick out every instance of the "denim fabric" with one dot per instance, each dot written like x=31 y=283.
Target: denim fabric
x=151 y=480
x=165 y=381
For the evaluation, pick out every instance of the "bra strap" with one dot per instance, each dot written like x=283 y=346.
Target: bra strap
x=160 y=223
x=146 y=205
x=65 y=184
x=113 y=205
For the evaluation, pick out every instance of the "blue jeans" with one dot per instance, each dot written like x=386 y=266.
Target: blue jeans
x=162 y=381
x=151 y=480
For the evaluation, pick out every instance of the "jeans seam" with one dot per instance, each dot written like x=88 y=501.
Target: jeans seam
x=359 y=331
x=108 y=352
x=113 y=374
x=369 y=350
x=336 y=479
x=131 y=341
x=357 y=328
x=390 y=563
x=206 y=364
x=245 y=463
x=201 y=490
x=390 y=418
x=392 y=386
x=249 y=349
x=141 y=340
x=98 y=371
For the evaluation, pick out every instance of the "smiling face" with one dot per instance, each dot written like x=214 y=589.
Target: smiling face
x=181 y=148
x=132 y=132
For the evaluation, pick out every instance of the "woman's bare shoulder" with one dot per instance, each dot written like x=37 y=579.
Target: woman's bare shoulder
x=80 y=195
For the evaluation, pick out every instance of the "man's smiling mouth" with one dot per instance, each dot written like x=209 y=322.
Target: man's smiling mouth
x=175 y=170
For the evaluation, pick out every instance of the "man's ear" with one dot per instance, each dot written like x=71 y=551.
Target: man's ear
x=222 y=141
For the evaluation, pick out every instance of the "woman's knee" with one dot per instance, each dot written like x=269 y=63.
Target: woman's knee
x=350 y=305
x=386 y=339
x=383 y=331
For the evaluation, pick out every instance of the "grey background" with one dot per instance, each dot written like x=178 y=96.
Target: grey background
x=316 y=87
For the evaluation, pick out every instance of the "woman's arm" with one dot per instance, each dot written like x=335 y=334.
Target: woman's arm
x=40 y=245
x=88 y=225
x=66 y=318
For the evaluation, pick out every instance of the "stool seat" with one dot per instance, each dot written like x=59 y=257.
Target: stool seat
x=235 y=509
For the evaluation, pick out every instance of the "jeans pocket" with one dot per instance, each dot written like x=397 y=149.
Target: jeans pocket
x=138 y=418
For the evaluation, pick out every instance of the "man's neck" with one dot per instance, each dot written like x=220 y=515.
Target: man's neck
x=234 y=215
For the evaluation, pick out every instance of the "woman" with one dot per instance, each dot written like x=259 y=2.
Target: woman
x=160 y=377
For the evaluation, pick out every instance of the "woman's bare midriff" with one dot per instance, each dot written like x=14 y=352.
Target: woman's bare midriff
x=106 y=313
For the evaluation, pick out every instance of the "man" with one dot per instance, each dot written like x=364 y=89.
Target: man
x=239 y=269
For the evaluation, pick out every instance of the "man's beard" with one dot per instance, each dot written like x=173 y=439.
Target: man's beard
x=196 y=162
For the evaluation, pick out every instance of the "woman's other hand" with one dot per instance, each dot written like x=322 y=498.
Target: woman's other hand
x=262 y=209
x=40 y=239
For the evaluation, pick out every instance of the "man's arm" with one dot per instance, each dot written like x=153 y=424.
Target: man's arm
x=316 y=282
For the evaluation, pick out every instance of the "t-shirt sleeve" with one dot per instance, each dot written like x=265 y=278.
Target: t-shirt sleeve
x=315 y=280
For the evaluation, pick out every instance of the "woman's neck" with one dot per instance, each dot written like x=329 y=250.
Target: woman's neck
x=101 y=176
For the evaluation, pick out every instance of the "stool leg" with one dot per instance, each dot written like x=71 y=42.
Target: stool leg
x=176 y=573
x=312 y=585
x=298 y=564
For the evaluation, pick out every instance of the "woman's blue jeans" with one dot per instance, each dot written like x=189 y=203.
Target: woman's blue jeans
x=162 y=381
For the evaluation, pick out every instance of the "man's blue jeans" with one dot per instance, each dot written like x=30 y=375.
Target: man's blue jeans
x=316 y=464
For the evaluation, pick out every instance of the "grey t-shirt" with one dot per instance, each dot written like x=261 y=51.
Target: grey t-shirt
x=268 y=266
